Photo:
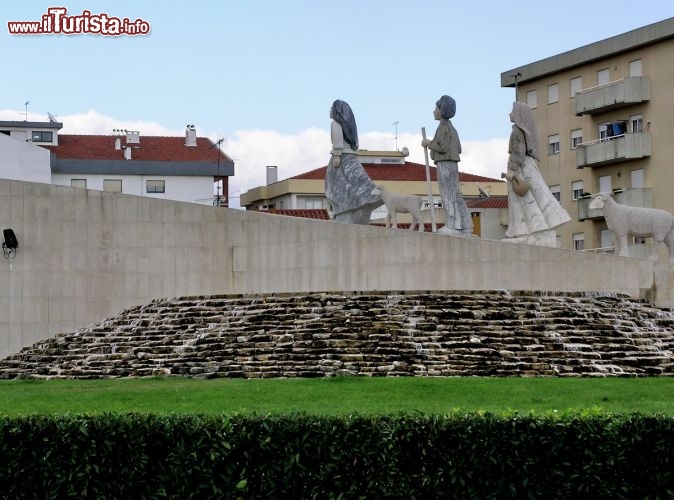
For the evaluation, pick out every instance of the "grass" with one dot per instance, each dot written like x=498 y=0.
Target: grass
x=337 y=396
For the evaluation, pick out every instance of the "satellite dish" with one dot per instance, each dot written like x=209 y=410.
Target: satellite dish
x=52 y=118
x=405 y=151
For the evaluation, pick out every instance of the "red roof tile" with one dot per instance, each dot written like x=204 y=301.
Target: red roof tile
x=321 y=214
x=408 y=172
x=491 y=202
x=152 y=148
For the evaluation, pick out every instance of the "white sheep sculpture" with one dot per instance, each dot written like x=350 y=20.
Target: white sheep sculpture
x=623 y=220
x=403 y=203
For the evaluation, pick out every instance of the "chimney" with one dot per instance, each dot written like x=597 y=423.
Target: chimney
x=132 y=137
x=127 y=153
x=190 y=136
x=272 y=174
x=118 y=143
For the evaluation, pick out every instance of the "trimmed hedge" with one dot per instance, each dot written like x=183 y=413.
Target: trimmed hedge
x=477 y=455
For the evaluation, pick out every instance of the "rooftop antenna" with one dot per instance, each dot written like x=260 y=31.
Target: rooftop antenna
x=396 y=137
x=516 y=76
x=218 y=196
x=483 y=193
x=26 y=104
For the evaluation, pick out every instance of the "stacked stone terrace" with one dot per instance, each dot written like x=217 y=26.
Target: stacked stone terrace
x=374 y=334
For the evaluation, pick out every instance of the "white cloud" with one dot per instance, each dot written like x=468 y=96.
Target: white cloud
x=92 y=122
x=253 y=150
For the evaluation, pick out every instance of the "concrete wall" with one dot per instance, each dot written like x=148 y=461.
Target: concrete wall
x=85 y=255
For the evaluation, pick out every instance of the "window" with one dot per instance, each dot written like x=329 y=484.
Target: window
x=576 y=85
x=437 y=202
x=553 y=93
x=153 y=186
x=553 y=144
x=42 y=136
x=576 y=137
x=78 y=183
x=313 y=203
x=606 y=238
x=532 y=99
x=635 y=68
x=579 y=241
x=639 y=240
x=637 y=123
x=112 y=185
x=605 y=184
x=576 y=189
x=556 y=192
x=603 y=131
x=603 y=77
x=637 y=178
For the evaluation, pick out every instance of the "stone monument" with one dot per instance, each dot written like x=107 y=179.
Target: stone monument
x=623 y=221
x=348 y=188
x=445 y=152
x=533 y=211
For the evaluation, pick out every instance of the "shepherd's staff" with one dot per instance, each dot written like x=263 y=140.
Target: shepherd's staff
x=434 y=228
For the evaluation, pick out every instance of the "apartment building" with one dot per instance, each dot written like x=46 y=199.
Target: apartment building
x=605 y=119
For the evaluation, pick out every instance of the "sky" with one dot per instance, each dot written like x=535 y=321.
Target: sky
x=262 y=74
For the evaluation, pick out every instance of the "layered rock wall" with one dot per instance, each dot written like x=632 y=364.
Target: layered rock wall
x=374 y=334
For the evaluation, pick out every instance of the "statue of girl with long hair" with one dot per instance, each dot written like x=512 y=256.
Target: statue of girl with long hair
x=348 y=188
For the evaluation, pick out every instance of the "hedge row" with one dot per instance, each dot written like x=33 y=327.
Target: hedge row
x=299 y=456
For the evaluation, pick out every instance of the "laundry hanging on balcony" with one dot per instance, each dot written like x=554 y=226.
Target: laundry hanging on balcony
x=616 y=128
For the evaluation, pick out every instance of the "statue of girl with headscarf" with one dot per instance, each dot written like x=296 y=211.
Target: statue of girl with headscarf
x=445 y=152
x=533 y=211
x=348 y=188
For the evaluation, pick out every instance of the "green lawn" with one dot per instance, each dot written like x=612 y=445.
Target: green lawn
x=338 y=395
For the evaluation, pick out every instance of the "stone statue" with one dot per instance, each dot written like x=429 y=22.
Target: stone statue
x=624 y=220
x=533 y=211
x=445 y=150
x=348 y=188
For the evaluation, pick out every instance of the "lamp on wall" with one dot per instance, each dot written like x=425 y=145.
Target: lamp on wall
x=10 y=244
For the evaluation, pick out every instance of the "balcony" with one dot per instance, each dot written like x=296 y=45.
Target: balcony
x=632 y=197
x=616 y=149
x=613 y=95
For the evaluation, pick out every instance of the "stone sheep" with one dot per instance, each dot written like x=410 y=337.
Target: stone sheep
x=623 y=220
x=403 y=203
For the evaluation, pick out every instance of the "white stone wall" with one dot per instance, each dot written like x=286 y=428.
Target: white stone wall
x=22 y=160
x=85 y=255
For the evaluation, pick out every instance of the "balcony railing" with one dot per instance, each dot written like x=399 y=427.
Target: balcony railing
x=615 y=149
x=632 y=197
x=613 y=95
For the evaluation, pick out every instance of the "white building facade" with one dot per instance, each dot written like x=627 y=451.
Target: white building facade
x=189 y=169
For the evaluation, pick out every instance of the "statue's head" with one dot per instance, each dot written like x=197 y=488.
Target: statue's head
x=521 y=114
x=523 y=118
x=598 y=201
x=447 y=107
x=342 y=114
